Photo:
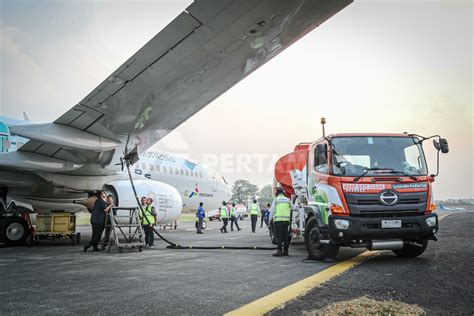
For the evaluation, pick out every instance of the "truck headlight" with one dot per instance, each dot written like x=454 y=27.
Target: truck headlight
x=431 y=221
x=341 y=223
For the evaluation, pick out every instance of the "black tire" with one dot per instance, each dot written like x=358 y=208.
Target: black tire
x=73 y=239
x=13 y=231
x=140 y=249
x=312 y=236
x=204 y=225
x=272 y=234
x=412 y=249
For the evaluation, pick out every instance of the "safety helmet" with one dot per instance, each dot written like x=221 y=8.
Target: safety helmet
x=280 y=190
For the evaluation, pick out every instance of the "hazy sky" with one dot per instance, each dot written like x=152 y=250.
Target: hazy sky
x=377 y=66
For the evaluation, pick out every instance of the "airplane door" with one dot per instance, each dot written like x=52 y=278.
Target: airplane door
x=214 y=185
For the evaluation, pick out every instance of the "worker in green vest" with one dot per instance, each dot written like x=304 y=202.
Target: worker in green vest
x=148 y=222
x=224 y=216
x=233 y=218
x=281 y=220
x=254 y=211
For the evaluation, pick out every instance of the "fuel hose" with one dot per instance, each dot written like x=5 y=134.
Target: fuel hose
x=172 y=245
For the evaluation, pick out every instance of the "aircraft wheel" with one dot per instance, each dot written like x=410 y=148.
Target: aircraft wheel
x=13 y=231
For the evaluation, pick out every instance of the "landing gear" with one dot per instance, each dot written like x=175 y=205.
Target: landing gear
x=13 y=231
x=312 y=241
x=203 y=226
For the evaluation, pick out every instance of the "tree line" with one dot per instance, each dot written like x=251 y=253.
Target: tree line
x=243 y=191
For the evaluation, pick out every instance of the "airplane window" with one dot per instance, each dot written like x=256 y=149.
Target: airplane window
x=176 y=170
x=196 y=174
x=158 y=168
x=187 y=173
x=200 y=175
x=151 y=167
x=181 y=171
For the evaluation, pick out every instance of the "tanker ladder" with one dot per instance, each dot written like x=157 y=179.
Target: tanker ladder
x=123 y=230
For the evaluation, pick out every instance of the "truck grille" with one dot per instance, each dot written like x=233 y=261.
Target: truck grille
x=369 y=205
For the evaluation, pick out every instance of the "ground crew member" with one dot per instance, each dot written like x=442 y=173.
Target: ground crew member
x=148 y=222
x=267 y=213
x=263 y=211
x=281 y=220
x=200 y=214
x=108 y=220
x=98 y=214
x=233 y=218
x=224 y=217
x=143 y=201
x=254 y=211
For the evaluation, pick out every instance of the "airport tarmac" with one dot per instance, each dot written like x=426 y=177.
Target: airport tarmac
x=441 y=281
x=57 y=278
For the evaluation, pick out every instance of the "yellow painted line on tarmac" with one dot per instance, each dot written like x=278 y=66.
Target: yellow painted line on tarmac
x=267 y=303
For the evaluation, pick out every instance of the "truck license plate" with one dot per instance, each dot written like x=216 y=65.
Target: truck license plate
x=392 y=223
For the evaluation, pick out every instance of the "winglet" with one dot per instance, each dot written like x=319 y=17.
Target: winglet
x=25 y=117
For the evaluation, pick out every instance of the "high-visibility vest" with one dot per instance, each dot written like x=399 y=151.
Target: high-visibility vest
x=224 y=212
x=148 y=215
x=282 y=209
x=254 y=209
x=232 y=212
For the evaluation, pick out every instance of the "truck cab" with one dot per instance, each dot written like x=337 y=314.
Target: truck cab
x=364 y=190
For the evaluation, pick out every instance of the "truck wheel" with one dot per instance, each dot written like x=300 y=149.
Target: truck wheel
x=412 y=250
x=272 y=234
x=312 y=236
x=13 y=231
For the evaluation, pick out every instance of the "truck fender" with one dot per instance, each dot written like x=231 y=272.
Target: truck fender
x=313 y=210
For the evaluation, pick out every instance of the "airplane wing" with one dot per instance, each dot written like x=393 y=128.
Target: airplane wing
x=207 y=49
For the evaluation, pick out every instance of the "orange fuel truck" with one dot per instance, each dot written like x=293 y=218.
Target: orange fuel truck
x=362 y=191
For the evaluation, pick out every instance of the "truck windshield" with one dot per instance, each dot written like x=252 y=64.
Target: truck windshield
x=353 y=156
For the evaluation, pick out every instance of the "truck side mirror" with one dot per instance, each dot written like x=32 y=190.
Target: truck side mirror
x=443 y=144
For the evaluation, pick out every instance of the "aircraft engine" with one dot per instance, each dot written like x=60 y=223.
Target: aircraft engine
x=166 y=199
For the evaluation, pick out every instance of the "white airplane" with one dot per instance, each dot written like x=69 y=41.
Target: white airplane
x=203 y=52
x=195 y=182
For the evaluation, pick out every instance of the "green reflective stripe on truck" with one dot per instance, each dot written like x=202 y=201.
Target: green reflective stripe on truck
x=323 y=207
